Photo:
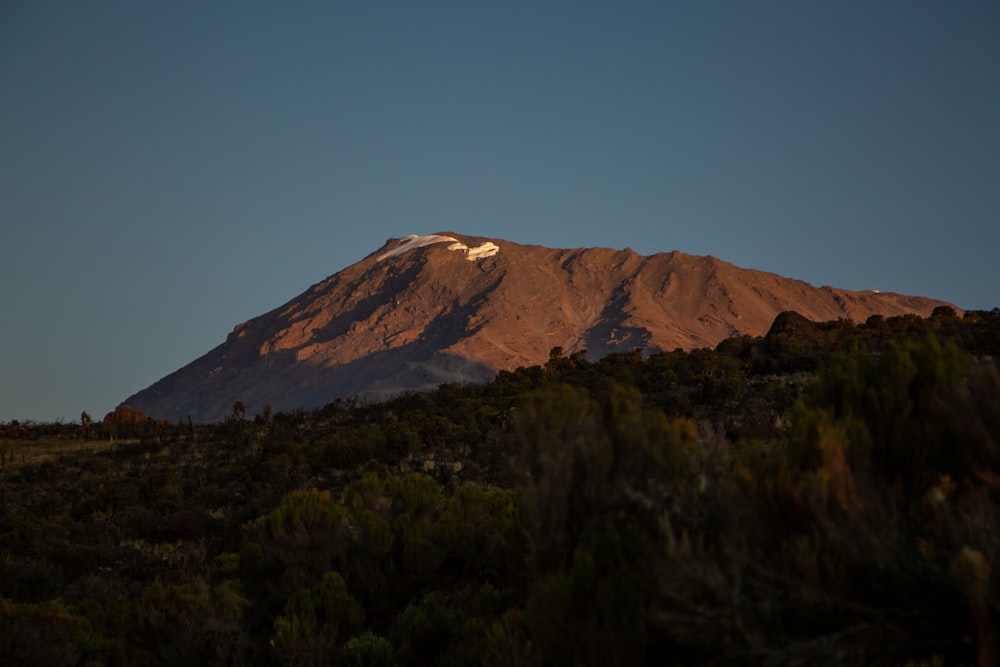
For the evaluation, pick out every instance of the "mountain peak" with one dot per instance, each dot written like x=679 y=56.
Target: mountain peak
x=397 y=247
x=411 y=316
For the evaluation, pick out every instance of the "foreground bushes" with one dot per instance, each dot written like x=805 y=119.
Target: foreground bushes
x=687 y=508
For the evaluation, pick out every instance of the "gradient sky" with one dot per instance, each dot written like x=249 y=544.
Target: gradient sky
x=170 y=169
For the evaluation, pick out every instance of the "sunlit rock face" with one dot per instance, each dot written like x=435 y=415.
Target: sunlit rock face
x=426 y=310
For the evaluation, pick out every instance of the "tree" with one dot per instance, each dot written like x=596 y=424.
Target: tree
x=316 y=621
x=308 y=531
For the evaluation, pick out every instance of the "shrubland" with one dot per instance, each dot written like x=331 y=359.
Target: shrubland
x=827 y=494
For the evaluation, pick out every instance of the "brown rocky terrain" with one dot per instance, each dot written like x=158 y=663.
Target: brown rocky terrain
x=424 y=311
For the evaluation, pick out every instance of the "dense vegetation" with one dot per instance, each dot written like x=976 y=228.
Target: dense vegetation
x=827 y=494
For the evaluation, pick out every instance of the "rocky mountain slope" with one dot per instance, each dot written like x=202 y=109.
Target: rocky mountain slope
x=427 y=310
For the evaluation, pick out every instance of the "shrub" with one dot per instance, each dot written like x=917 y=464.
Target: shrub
x=368 y=650
x=315 y=622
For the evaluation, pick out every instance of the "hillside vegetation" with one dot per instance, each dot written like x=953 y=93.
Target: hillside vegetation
x=826 y=494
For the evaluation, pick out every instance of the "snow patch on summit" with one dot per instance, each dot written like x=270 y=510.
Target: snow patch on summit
x=487 y=249
x=413 y=241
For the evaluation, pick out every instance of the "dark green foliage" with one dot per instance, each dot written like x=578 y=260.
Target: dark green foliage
x=41 y=634
x=593 y=609
x=315 y=622
x=368 y=650
x=824 y=495
x=480 y=532
x=914 y=412
x=306 y=535
x=425 y=630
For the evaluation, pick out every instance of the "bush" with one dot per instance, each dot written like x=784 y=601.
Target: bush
x=368 y=650
x=315 y=622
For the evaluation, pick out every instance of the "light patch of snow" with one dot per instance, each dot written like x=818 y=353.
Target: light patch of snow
x=487 y=249
x=413 y=241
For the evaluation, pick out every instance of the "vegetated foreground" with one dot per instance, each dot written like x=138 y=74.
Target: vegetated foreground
x=826 y=494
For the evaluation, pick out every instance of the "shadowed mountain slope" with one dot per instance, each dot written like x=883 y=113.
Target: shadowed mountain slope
x=427 y=310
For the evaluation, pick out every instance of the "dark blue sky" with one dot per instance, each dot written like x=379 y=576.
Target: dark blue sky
x=170 y=169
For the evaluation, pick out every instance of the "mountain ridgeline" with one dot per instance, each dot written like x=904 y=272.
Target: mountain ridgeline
x=429 y=310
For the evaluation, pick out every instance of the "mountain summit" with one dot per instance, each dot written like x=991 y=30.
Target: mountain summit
x=425 y=310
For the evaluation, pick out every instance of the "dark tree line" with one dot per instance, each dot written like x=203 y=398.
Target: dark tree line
x=826 y=494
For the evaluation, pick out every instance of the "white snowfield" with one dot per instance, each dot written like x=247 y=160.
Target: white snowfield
x=412 y=242
x=487 y=249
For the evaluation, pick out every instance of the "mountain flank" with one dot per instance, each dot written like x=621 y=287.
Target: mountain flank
x=428 y=310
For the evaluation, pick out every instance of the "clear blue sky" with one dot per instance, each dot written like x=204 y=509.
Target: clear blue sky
x=170 y=169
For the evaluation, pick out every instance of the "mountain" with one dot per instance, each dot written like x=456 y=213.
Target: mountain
x=426 y=310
